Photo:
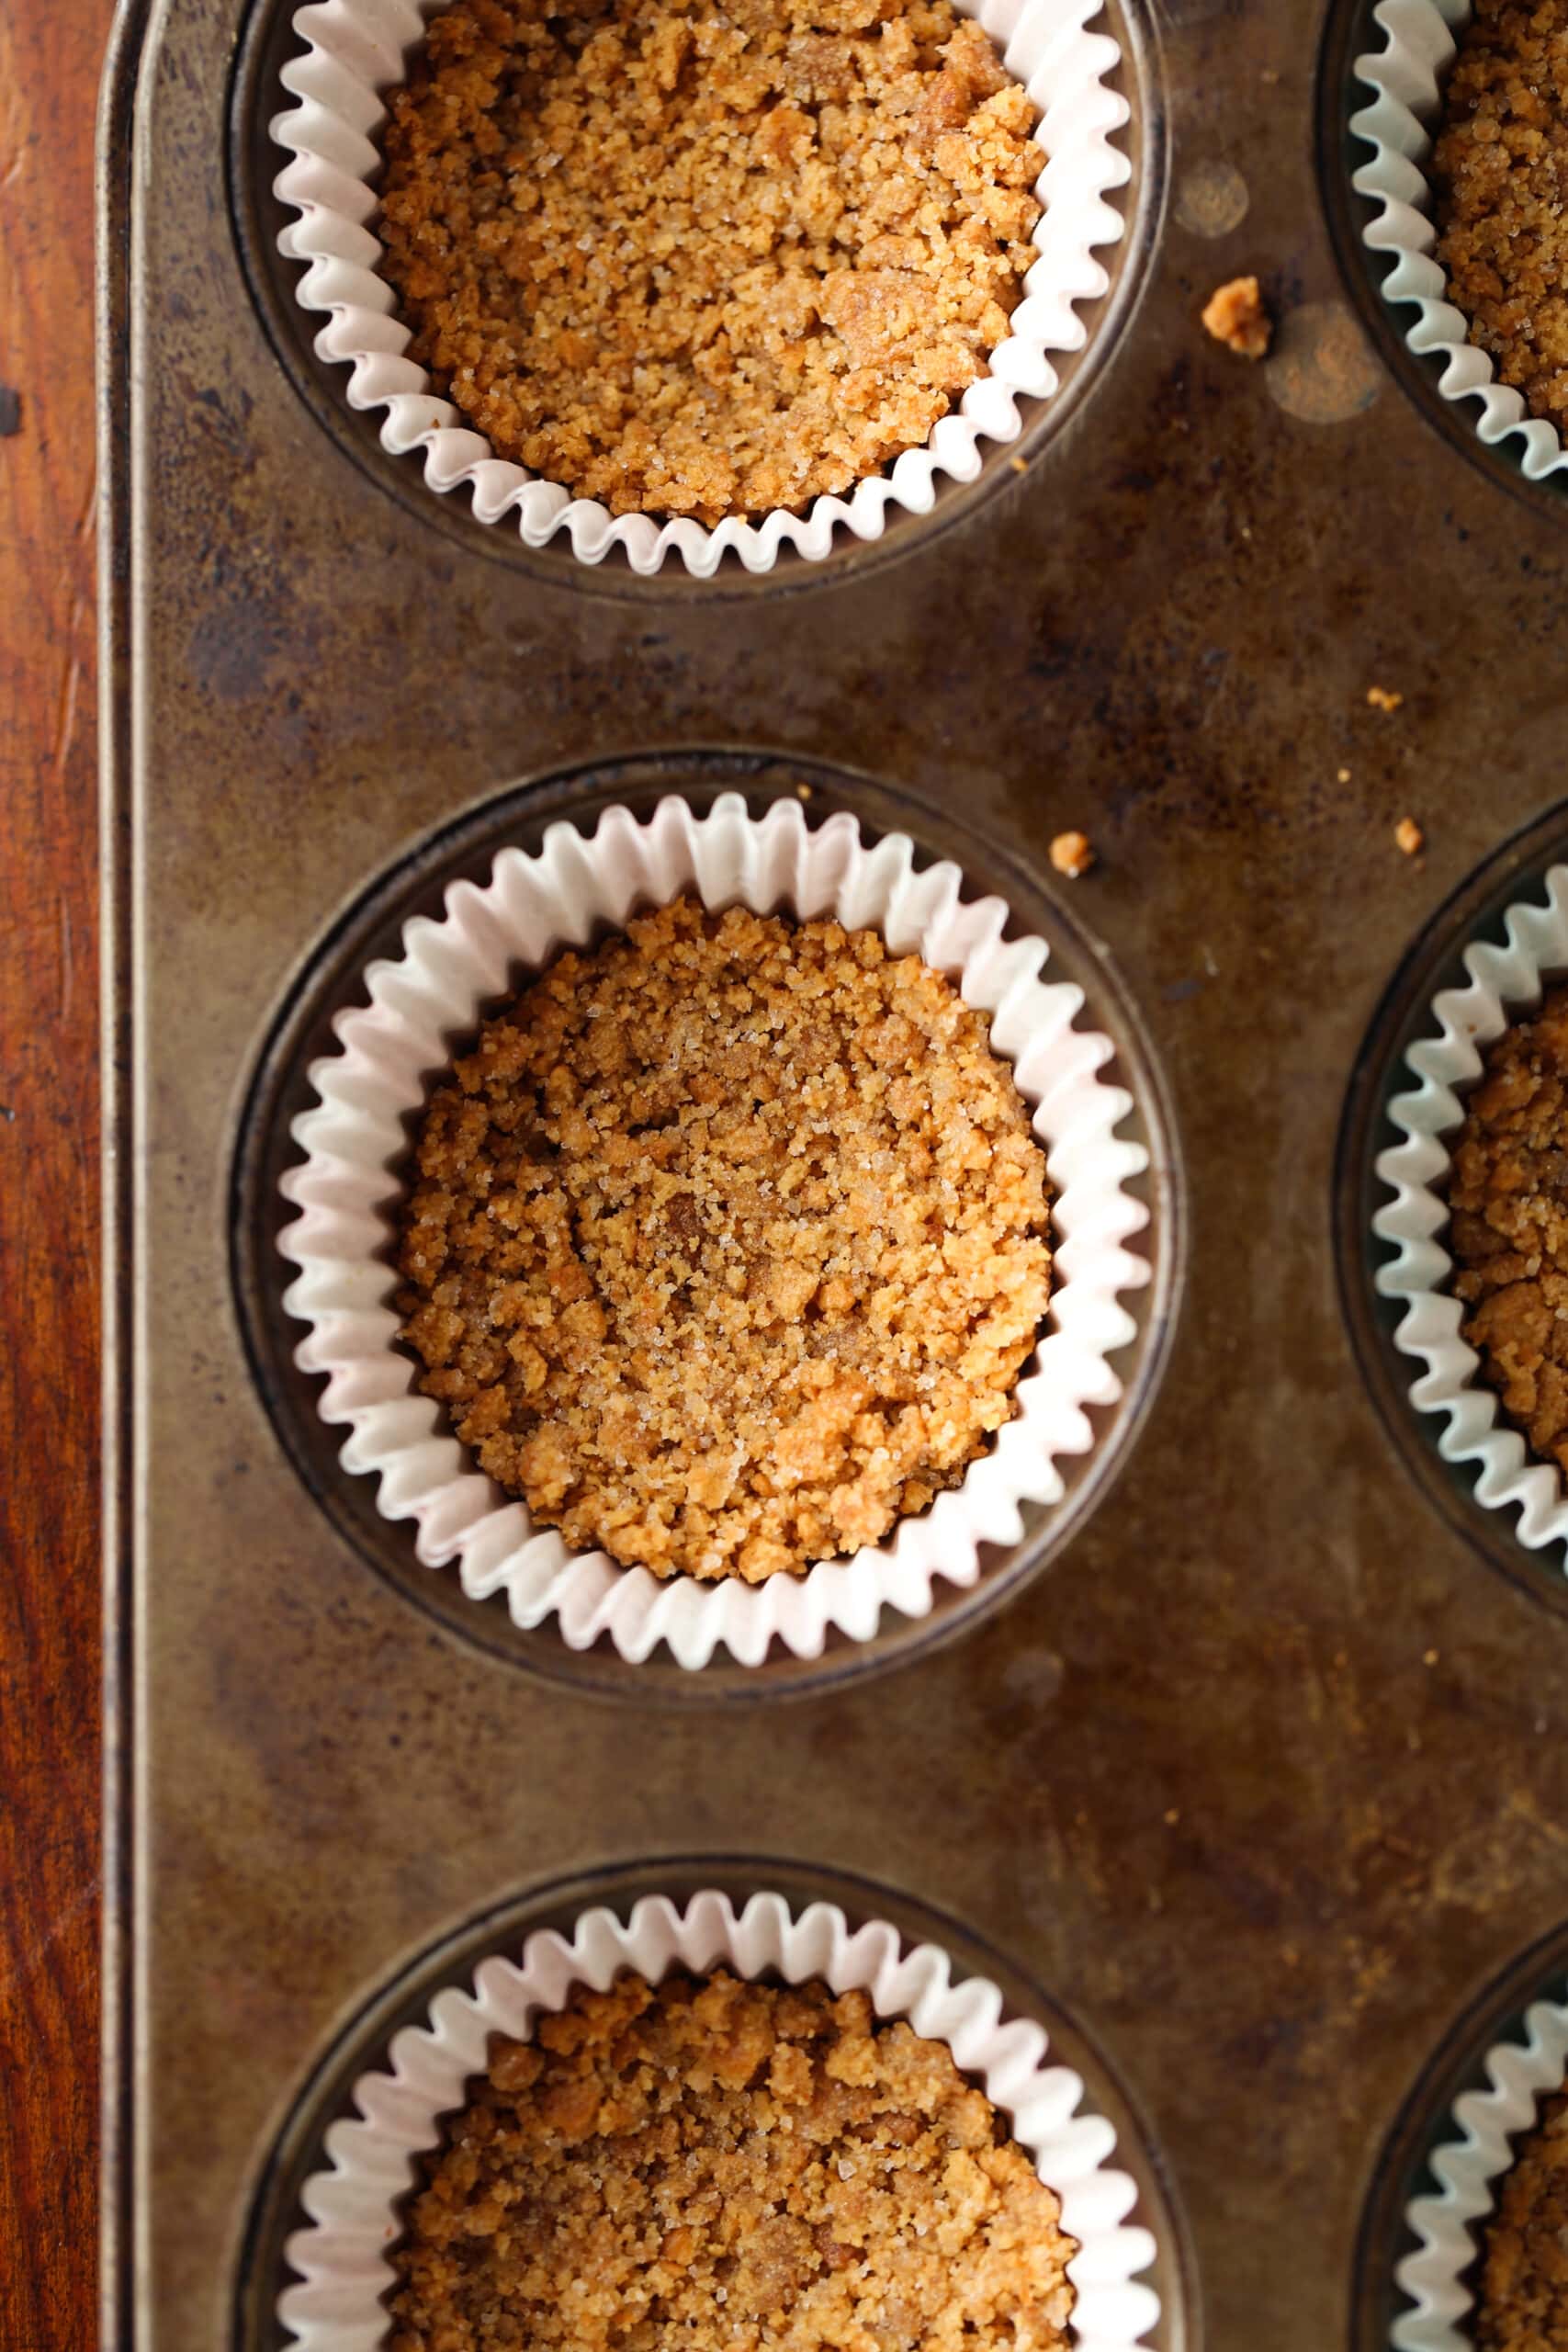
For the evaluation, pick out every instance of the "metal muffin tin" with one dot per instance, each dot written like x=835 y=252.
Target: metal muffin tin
x=1255 y=1786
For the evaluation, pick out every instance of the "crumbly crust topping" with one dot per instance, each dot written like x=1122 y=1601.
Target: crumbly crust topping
x=728 y=1242
x=1522 y=2305
x=1508 y=1199
x=1500 y=173
x=713 y=256
x=728 y=2166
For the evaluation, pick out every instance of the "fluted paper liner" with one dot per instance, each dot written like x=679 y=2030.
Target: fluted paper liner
x=1505 y=981
x=340 y=2257
x=1406 y=76
x=1469 y=2166
x=356 y=50
x=434 y=993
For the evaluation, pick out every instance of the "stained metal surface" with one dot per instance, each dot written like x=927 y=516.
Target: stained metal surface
x=1266 y=1776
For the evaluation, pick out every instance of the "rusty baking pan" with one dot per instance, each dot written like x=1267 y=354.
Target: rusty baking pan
x=1250 y=1781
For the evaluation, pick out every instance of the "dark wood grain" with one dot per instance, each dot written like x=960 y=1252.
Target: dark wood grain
x=49 y=1144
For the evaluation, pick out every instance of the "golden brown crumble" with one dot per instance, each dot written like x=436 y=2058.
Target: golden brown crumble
x=1234 y=315
x=1386 y=698
x=728 y=1242
x=1072 y=854
x=714 y=257
x=1500 y=172
x=1522 y=2305
x=727 y=2165
x=1407 y=833
x=1510 y=1204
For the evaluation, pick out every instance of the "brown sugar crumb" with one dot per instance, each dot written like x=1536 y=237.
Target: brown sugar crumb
x=1234 y=315
x=1384 y=697
x=1499 y=169
x=1072 y=854
x=712 y=257
x=1522 y=2303
x=728 y=1242
x=1407 y=833
x=1508 y=1201
x=726 y=2166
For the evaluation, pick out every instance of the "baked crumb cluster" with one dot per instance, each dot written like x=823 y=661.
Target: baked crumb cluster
x=1508 y=1201
x=728 y=2166
x=1522 y=2302
x=1236 y=315
x=728 y=1242
x=1072 y=854
x=1500 y=170
x=709 y=257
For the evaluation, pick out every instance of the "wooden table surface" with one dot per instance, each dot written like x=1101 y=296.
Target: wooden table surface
x=50 y=60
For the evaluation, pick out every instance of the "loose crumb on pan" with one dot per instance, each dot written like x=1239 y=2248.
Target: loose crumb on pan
x=1508 y=1201
x=1407 y=833
x=1234 y=314
x=1384 y=697
x=728 y=1242
x=1522 y=2302
x=1499 y=169
x=727 y=2166
x=710 y=257
x=1072 y=854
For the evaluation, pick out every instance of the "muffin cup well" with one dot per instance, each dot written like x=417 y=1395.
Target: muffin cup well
x=577 y=886
x=1469 y=2163
x=1504 y=980
x=340 y=2257
x=356 y=50
x=1405 y=73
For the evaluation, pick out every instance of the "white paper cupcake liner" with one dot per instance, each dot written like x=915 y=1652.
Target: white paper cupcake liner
x=1406 y=75
x=341 y=2258
x=1469 y=2166
x=1505 y=981
x=358 y=50
x=435 y=992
